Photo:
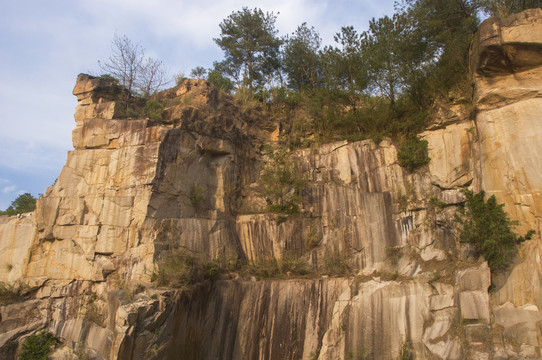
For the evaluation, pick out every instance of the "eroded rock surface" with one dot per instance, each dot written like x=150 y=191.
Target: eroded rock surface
x=134 y=189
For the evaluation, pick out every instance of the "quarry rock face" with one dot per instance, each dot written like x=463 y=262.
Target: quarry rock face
x=134 y=190
x=508 y=91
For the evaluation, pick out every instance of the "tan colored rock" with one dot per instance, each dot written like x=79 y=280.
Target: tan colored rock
x=474 y=305
x=398 y=310
x=450 y=153
x=511 y=44
x=519 y=325
x=472 y=279
x=17 y=235
x=444 y=299
x=508 y=88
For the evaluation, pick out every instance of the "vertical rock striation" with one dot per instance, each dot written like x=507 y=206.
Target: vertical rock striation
x=134 y=189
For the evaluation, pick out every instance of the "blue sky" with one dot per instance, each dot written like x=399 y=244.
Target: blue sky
x=44 y=45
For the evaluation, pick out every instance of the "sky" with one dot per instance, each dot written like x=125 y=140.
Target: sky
x=44 y=45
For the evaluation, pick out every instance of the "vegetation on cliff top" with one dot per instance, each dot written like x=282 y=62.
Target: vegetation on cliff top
x=384 y=81
x=22 y=204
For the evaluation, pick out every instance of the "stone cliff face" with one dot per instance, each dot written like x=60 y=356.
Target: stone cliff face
x=125 y=198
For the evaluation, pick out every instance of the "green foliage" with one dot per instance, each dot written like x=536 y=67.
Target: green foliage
x=359 y=355
x=11 y=293
x=217 y=78
x=108 y=78
x=393 y=253
x=281 y=183
x=154 y=109
x=336 y=264
x=248 y=39
x=197 y=196
x=22 y=204
x=503 y=8
x=486 y=226
x=290 y=264
x=413 y=154
x=311 y=238
x=301 y=62
x=405 y=353
x=180 y=269
x=38 y=346
x=179 y=78
x=198 y=72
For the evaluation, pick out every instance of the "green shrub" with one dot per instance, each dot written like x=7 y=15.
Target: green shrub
x=11 y=293
x=336 y=264
x=197 y=197
x=290 y=264
x=406 y=351
x=131 y=114
x=486 y=226
x=22 y=204
x=413 y=154
x=154 y=109
x=293 y=264
x=216 y=78
x=108 y=78
x=37 y=346
x=180 y=269
x=393 y=253
x=282 y=184
x=180 y=78
x=264 y=268
x=312 y=239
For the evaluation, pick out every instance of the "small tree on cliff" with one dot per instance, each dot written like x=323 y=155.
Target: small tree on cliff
x=125 y=62
x=129 y=65
x=486 y=226
x=22 y=204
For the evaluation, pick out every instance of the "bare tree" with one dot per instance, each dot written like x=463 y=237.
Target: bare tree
x=128 y=64
x=153 y=77
x=125 y=61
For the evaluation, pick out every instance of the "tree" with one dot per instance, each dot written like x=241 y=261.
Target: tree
x=248 y=39
x=22 y=204
x=216 y=77
x=503 y=8
x=198 y=72
x=384 y=44
x=301 y=62
x=413 y=153
x=37 y=346
x=281 y=184
x=486 y=226
x=446 y=28
x=152 y=77
x=128 y=64
x=345 y=64
x=125 y=62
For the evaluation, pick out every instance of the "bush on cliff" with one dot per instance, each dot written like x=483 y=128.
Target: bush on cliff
x=37 y=346
x=282 y=184
x=486 y=226
x=179 y=269
x=413 y=154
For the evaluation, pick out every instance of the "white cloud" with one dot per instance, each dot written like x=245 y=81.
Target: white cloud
x=9 y=189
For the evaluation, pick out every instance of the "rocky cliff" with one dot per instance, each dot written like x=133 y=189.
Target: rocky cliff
x=134 y=190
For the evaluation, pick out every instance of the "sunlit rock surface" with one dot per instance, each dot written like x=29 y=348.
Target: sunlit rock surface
x=126 y=197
